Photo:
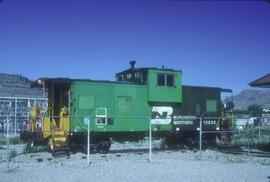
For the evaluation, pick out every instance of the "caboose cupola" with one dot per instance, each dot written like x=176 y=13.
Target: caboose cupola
x=164 y=85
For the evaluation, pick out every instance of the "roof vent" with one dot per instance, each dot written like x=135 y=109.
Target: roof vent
x=132 y=64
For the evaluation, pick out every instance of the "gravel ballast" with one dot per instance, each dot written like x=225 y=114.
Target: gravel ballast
x=181 y=166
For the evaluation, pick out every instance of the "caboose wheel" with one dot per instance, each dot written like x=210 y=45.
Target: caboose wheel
x=104 y=146
x=29 y=145
x=171 y=142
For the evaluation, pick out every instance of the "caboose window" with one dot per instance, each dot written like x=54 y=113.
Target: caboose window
x=120 y=78
x=211 y=106
x=144 y=77
x=170 y=80
x=161 y=79
x=138 y=75
x=129 y=76
x=101 y=116
x=165 y=80
x=101 y=121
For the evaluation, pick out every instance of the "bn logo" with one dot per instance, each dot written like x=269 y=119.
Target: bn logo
x=161 y=115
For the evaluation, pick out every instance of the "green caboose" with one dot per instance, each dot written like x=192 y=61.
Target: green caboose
x=123 y=109
x=119 y=109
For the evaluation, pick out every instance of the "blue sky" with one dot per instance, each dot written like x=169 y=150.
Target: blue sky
x=224 y=44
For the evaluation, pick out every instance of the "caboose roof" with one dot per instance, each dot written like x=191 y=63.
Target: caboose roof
x=208 y=87
x=146 y=69
x=66 y=80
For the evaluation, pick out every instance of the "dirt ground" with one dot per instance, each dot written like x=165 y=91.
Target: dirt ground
x=118 y=166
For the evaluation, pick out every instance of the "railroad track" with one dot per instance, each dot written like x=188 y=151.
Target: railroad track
x=226 y=150
x=235 y=151
x=245 y=152
x=145 y=150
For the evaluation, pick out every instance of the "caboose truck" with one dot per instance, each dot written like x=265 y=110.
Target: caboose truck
x=122 y=109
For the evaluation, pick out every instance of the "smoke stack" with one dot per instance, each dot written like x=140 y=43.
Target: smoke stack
x=132 y=64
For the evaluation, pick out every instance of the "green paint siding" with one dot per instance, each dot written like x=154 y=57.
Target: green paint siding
x=124 y=103
x=195 y=99
x=167 y=93
x=198 y=101
x=86 y=102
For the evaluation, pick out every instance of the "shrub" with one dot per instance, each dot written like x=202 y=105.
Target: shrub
x=15 y=140
x=12 y=154
x=2 y=140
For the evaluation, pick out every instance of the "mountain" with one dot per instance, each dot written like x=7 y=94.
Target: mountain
x=17 y=86
x=249 y=97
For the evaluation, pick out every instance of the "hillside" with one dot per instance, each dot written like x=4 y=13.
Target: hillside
x=17 y=85
x=248 y=97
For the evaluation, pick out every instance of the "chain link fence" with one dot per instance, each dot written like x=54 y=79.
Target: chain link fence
x=10 y=146
x=250 y=136
x=18 y=110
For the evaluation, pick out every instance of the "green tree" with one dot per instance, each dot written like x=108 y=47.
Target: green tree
x=255 y=110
